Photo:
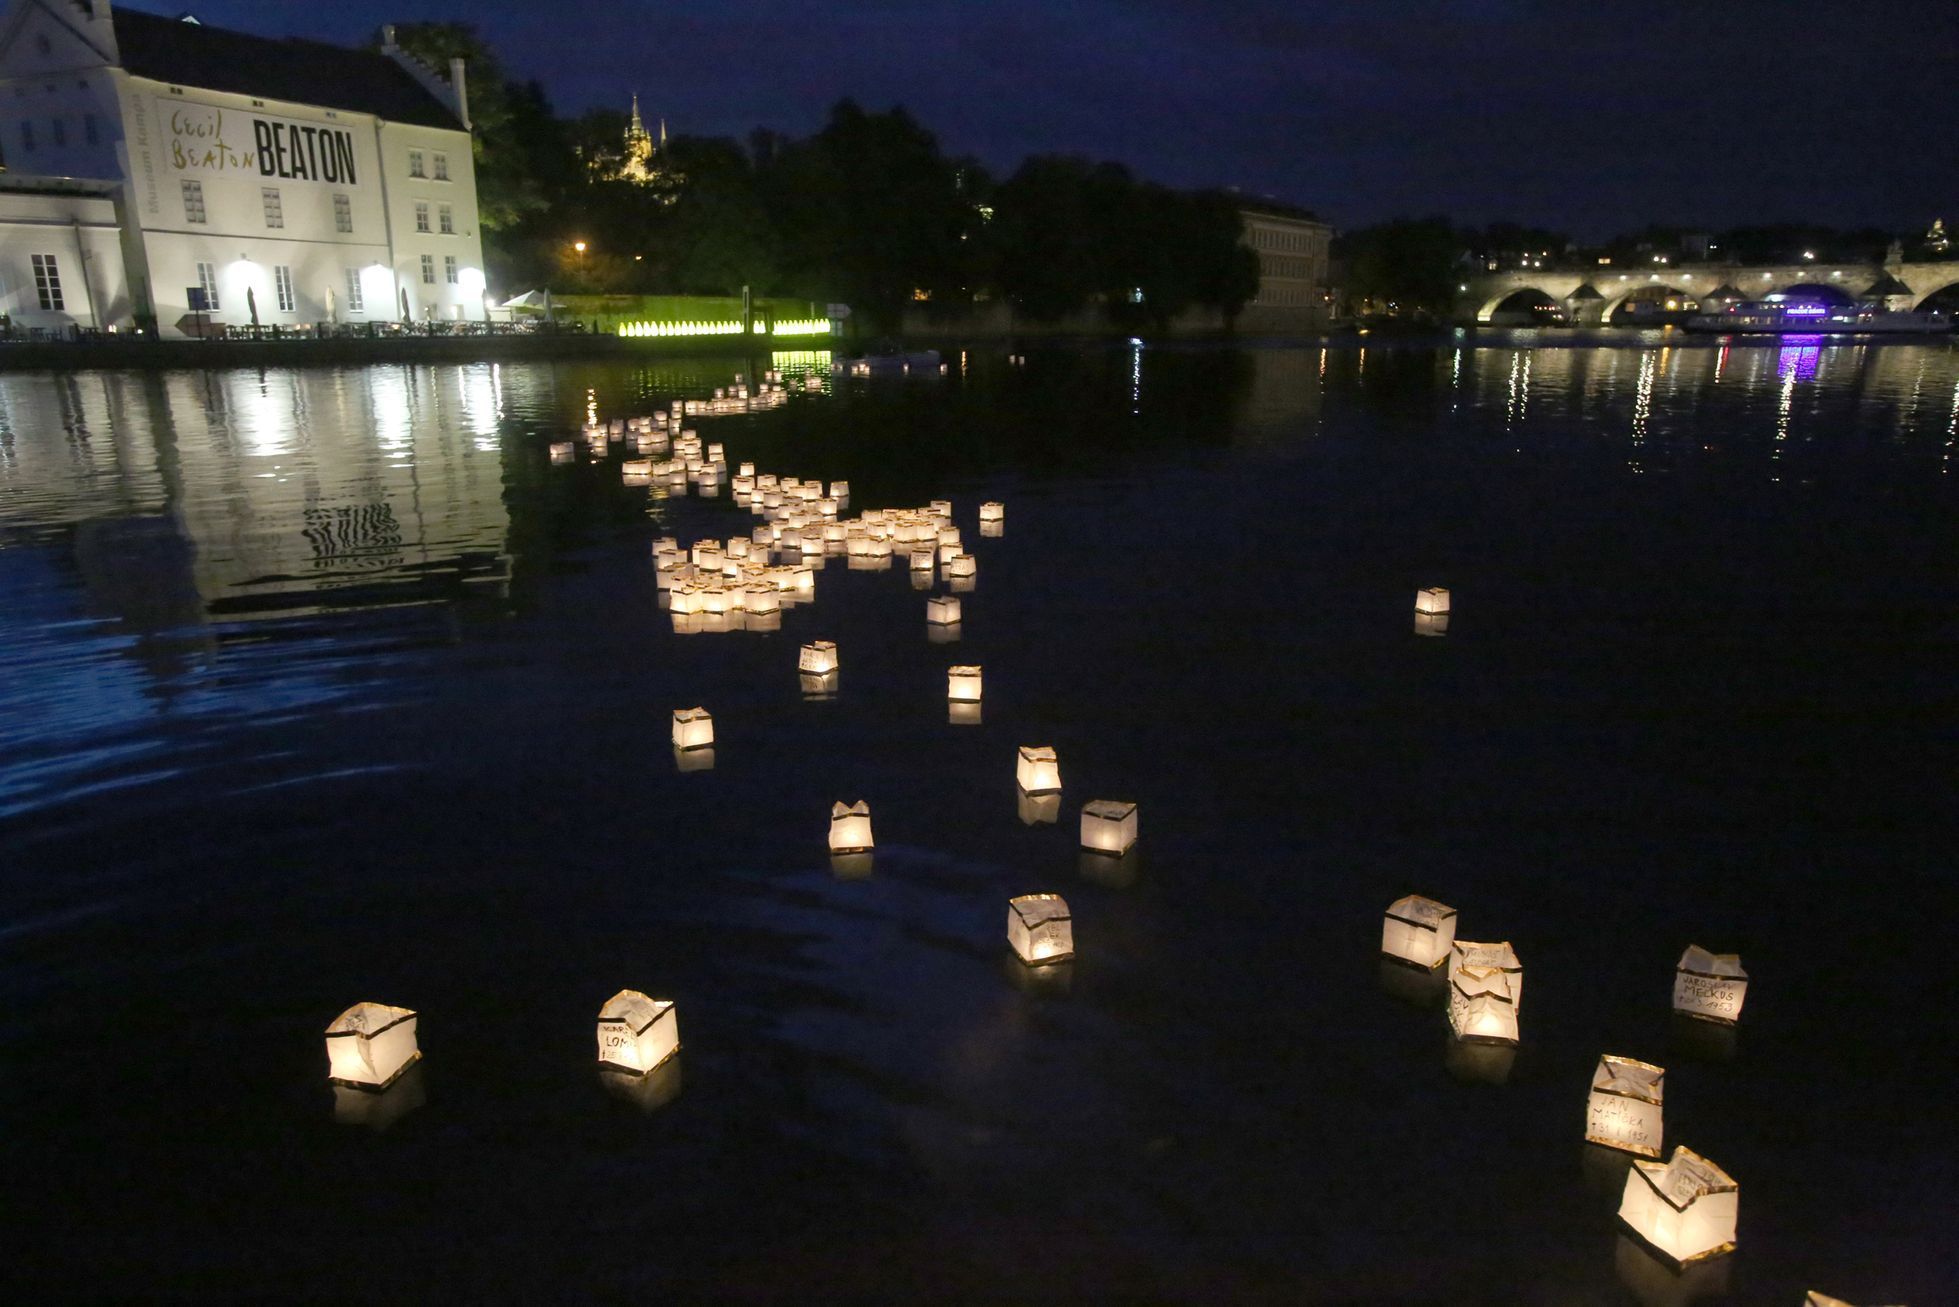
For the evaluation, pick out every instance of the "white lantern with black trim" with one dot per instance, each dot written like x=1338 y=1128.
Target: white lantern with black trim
x=819 y=657
x=850 y=827
x=370 y=1044
x=963 y=683
x=1418 y=931
x=1040 y=929
x=1497 y=956
x=693 y=728
x=637 y=1033
x=1685 y=1207
x=1038 y=770
x=1108 y=826
x=1709 y=986
x=1624 y=1110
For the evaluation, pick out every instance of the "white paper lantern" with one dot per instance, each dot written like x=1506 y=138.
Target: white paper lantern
x=840 y=490
x=1108 y=826
x=1040 y=929
x=1418 y=931
x=993 y=512
x=1038 y=770
x=922 y=561
x=850 y=828
x=637 y=467
x=1625 y=1108
x=561 y=451
x=693 y=728
x=1709 y=986
x=1435 y=599
x=1685 y=1207
x=940 y=507
x=637 y=1033
x=370 y=1044
x=961 y=567
x=963 y=683
x=1490 y=957
x=818 y=657
x=1480 y=1006
x=942 y=610
x=745 y=469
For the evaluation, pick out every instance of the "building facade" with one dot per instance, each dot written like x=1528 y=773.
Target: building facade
x=1293 y=286
x=279 y=181
x=60 y=257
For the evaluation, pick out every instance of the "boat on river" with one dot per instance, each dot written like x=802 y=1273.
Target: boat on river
x=886 y=359
x=1809 y=318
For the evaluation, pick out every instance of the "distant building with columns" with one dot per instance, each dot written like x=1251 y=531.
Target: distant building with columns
x=1292 y=248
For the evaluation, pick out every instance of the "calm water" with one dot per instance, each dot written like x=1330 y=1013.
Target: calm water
x=323 y=686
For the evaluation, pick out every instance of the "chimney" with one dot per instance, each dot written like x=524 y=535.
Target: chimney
x=459 y=88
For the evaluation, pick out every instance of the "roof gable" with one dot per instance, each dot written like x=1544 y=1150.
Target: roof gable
x=297 y=71
x=44 y=37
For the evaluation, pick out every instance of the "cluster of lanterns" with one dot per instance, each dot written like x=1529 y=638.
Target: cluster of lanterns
x=1684 y=1207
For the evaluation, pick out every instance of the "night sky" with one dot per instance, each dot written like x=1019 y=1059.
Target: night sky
x=1593 y=116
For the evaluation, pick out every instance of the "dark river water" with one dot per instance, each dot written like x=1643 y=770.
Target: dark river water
x=324 y=686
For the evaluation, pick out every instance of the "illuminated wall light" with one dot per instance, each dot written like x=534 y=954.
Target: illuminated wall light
x=1038 y=770
x=370 y=1044
x=850 y=827
x=1040 y=929
x=1709 y=986
x=1624 y=1109
x=1108 y=826
x=693 y=728
x=1685 y=1207
x=1418 y=931
x=637 y=1033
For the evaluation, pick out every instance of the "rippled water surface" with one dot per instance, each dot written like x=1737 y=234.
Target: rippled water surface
x=327 y=685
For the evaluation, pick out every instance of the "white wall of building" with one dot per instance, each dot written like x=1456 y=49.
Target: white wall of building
x=78 y=239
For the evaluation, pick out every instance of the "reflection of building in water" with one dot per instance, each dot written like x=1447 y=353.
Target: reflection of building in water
x=1283 y=400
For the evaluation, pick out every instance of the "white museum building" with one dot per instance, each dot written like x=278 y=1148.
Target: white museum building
x=304 y=182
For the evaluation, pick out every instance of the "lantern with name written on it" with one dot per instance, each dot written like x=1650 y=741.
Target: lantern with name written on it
x=1490 y=957
x=850 y=828
x=1434 y=601
x=963 y=683
x=1480 y=1005
x=637 y=1033
x=819 y=657
x=1685 y=1207
x=370 y=1044
x=1038 y=770
x=693 y=728
x=1418 y=931
x=1108 y=826
x=1040 y=929
x=1709 y=986
x=1624 y=1110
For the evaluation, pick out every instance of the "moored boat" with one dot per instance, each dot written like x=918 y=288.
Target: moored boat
x=1808 y=318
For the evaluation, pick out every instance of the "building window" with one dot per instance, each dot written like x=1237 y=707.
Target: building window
x=193 y=201
x=428 y=270
x=91 y=131
x=442 y=167
x=60 y=132
x=26 y=137
x=275 y=208
x=415 y=164
x=282 y=283
x=354 y=304
x=207 y=278
x=343 y=213
x=421 y=215
x=47 y=282
x=446 y=217
x=449 y=268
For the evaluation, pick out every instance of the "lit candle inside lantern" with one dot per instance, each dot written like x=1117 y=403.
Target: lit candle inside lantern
x=1038 y=770
x=923 y=560
x=961 y=567
x=1418 y=931
x=693 y=728
x=850 y=828
x=1624 y=1110
x=561 y=451
x=1108 y=826
x=993 y=512
x=370 y=1044
x=1489 y=957
x=1040 y=929
x=1480 y=1006
x=942 y=610
x=637 y=1033
x=840 y=490
x=1434 y=600
x=818 y=657
x=1685 y=1207
x=963 y=683
x=1709 y=986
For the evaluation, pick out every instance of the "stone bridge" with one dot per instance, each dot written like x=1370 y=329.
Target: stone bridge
x=1593 y=295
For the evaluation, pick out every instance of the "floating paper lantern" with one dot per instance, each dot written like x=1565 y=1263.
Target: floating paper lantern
x=1040 y=929
x=370 y=1044
x=1418 y=931
x=923 y=561
x=942 y=610
x=1480 y=1006
x=745 y=469
x=840 y=490
x=850 y=828
x=1038 y=770
x=1624 y=1110
x=1709 y=986
x=1108 y=826
x=1435 y=599
x=637 y=1033
x=940 y=507
x=963 y=683
x=693 y=728
x=993 y=512
x=1685 y=1207
x=818 y=657
x=1490 y=957
x=961 y=567
x=561 y=451
x=637 y=467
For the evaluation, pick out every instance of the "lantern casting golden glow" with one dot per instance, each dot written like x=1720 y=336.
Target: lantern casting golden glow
x=1624 y=1110
x=637 y=1033
x=1038 y=770
x=370 y=1044
x=963 y=683
x=850 y=828
x=1040 y=929
x=1418 y=931
x=819 y=657
x=1685 y=1208
x=693 y=728
x=1499 y=956
x=942 y=610
x=1709 y=986
x=1481 y=1007
x=1434 y=600
x=1108 y=826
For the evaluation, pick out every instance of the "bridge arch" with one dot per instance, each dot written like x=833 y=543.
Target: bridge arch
x=1945 y=299
x=1818 y=292
x=1527 y=306
x=1664 y=298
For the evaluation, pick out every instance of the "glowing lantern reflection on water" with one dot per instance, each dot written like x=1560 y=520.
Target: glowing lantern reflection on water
x=370 y=1044
x=1108 y=826
x=963 y=683
x=637 y=1033
x=1418 y=931
x=1624 y=1110
x=1685 y=1207
x=1040 y=929
x=693 y=728
x=818 y=658
x=1709 y=986
x=850 y=828
x=1038 y=770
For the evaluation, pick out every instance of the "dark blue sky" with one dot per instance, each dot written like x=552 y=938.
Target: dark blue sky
x=1592 y=115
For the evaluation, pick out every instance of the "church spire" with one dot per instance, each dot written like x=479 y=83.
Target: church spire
x=635 y=128
x=663 y=133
